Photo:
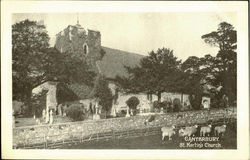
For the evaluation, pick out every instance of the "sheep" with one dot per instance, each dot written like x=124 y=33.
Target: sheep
x=220 y=129
x=168 y=131
x=188 y=131
x=205 y=130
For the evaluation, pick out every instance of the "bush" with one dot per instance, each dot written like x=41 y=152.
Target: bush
x=133 y=102
x=167 y=106
x=156 y=104
x=75 y=111
x=176 y=105
x=195 y=101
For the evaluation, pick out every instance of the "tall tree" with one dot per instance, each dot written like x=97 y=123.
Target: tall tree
x=156 y=73
x=29 y=43
x=225 y=62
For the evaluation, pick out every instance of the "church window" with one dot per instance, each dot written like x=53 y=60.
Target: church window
x=85 y=49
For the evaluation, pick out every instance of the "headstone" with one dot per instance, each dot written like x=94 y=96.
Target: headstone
x=161 y=110
x=60 y=109
x=47 y=116
x=44 y=114
x=51 y=117
x=127 y=115
x=114 y=112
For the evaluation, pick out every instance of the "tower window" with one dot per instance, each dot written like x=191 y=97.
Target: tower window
x=85 y=49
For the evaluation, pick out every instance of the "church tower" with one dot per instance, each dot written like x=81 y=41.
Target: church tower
x=85 y=44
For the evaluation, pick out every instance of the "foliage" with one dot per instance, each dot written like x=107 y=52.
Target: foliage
x=102 y=93
x=64 y=94
x=158 y=72
x=224 y=65
x=225 y=37
x=133 y=102
x=18 y=107
x=29 y=43
x=75 y=111
x=38 y=103
x=157 y=105
x=195 y=101
x=206 y=74
x=167 y=105
x=33 y=62
x=176 y=105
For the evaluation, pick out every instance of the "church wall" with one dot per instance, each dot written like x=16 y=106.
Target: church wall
x=73 y=39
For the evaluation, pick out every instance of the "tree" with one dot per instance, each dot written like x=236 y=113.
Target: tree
x=34 y=62
x=102 y=93
x=225 y=62
x=29 y=43
x=156 y=73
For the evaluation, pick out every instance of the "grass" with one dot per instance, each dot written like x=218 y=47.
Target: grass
x=228 y=141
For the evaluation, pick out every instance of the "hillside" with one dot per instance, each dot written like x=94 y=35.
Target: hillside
x=112 y=64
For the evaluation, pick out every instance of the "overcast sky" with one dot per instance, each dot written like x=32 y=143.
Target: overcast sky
x=142 y=32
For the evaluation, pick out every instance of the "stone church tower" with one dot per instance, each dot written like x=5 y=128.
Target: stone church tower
x=85 y=44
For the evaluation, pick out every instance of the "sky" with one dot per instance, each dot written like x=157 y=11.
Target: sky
x=142 y=32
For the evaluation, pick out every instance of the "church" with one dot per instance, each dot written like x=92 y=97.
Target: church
x=86 y=43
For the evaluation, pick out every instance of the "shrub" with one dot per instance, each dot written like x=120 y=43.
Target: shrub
x=156 y=105
x=195 y=101
x=75 y=111
x=167 y=106
x=133 y=102
x=176 y=105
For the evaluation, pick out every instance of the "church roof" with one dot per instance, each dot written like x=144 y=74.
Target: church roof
x=112 y=64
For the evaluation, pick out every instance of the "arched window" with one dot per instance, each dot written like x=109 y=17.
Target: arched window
x=85 y=49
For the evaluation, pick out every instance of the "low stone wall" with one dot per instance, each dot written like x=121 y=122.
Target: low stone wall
x=57 y=132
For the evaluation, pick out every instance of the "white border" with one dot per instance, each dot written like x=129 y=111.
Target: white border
x=9 y=7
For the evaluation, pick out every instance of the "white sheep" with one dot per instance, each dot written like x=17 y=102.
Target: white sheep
x=220 y=130
x=168 y=131
x=205 y=130
x=188 y=131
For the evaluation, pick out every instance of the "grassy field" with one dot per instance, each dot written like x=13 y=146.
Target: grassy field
x=228 y=141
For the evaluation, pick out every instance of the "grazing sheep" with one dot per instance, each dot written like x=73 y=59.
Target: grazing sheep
x=168 y=131
x=205 y=130
x=188 y=131
x=220 y=130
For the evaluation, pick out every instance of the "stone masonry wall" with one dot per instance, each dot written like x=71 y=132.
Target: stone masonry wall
x=56 y=132
x=73 y=39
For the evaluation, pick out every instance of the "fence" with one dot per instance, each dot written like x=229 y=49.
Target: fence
x=79 y=137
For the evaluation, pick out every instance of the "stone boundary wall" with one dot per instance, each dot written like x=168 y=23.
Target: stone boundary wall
x=29 y=135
